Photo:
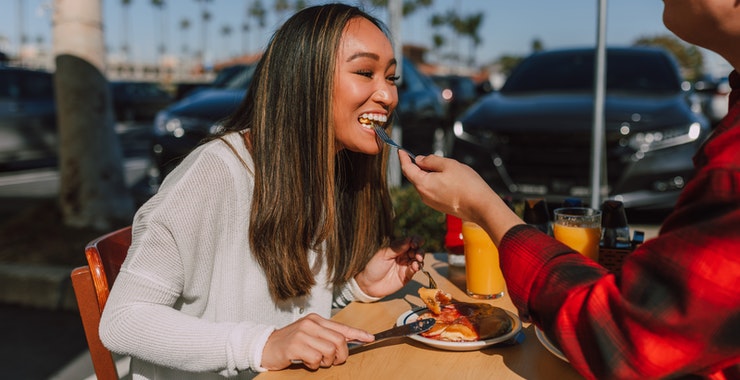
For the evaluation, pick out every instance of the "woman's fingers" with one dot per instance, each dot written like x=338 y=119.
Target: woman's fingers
x=312 y=340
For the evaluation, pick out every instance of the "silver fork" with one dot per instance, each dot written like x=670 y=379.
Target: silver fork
x=388 y=140
x=432 y=283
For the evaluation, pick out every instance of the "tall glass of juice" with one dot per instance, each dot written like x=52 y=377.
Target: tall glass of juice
x=579 y=228
x=483 y=276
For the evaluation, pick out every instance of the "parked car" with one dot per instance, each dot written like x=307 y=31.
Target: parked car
x=533 y=137
x=28 y=122
x=221 y=80
x=138 y=101
x=180 y=127
x=714 y=94
x=458 y=91
x=27 y=118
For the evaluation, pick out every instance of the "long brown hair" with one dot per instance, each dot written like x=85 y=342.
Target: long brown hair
x=307 y=197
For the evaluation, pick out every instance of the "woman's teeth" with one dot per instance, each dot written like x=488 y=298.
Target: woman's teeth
x=367 y=119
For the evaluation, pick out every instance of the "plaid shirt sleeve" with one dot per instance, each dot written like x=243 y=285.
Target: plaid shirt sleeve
x=674 y=311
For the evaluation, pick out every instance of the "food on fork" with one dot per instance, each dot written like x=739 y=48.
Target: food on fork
x=434 y=299
x=372 y=118
x=462 y=321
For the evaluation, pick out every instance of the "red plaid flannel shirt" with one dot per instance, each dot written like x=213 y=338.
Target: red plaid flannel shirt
x=675 y=310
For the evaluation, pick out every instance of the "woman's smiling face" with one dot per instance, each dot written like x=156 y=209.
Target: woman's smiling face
x=364 y=85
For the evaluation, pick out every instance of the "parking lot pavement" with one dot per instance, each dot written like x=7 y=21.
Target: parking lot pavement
x=37 y=343
x=44 y=183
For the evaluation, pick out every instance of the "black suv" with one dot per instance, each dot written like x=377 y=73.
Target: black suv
x=533 y=137
x=180 y=127
x=27 y=118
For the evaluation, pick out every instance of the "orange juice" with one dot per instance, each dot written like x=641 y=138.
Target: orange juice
x=582 y=239
x=483 y=275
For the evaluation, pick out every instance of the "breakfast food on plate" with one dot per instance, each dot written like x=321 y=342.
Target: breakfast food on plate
x=462 y=321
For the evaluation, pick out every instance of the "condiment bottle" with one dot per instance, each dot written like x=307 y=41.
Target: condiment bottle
x=454 y=242
x=572 y=202
x=615 y=230
x=537 y=215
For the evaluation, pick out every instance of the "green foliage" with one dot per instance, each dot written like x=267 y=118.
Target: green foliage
x=688 y=56
x=413 y=217
x=509 y=62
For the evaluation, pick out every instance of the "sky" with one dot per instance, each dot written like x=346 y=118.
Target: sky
x=509 y=26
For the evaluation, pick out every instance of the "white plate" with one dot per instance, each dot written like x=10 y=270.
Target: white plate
x=413 y=315
x=549 y=345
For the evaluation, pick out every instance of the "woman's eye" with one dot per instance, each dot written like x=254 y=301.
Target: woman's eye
x=368 y=74
x=394 y=78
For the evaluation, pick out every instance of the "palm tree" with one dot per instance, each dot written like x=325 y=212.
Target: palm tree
x=226 y=33
x=281 y=7
x=205 y=17
x=126 y=4
x=468 y=26
x=162 y=48
x=299 y=4
x=245 y=37
x=184 y=26
x=258 y=12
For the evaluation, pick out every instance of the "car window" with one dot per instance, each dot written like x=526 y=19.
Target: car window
x=241 y=80
x=138 y=89
x=641 y=71
x=226 y=74
x=412 y=80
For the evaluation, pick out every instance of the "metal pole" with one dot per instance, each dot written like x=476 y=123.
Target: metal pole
x=598 y=141
x=395 y=14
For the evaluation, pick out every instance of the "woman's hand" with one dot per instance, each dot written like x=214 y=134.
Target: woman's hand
x=391 y=268
x=316 y=341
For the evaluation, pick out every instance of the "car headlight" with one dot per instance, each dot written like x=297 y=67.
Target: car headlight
x=656 y=140
x=478 y=136
x=217 y=127
x=166 y=124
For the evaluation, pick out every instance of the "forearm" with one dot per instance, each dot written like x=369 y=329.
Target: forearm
x=646 y=324
x=494 y=216
x=145 y=325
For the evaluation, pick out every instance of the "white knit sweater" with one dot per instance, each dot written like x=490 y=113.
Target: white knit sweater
x=190 y=301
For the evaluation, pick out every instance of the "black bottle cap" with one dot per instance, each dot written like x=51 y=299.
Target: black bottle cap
x=572 y=202
x=535 y=211
x=613 y=214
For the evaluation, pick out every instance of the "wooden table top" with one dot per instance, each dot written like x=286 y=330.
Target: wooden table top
x=405 y=358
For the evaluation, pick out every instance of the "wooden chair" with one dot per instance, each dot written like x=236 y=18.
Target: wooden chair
x=92 y=284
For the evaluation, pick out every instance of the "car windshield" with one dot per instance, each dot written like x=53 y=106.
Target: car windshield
x=241 y=80
x=573 y=71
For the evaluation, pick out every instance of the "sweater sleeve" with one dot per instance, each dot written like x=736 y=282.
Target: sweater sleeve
x=351 y=292
x=162 y=275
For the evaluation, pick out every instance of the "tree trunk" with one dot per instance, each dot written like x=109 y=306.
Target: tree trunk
x=92 y=190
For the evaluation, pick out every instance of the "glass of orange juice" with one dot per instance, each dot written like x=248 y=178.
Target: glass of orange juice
x=579 y=228
x=483 y=277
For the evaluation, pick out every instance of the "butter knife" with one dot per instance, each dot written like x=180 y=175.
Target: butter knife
x=416 y=327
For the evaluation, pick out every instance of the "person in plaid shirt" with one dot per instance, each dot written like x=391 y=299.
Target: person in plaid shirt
x=675 y=310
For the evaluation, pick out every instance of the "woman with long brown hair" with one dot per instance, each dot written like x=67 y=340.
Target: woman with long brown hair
x=237 y=261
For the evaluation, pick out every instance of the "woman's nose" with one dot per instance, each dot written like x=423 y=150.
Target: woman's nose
x=386 y=94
